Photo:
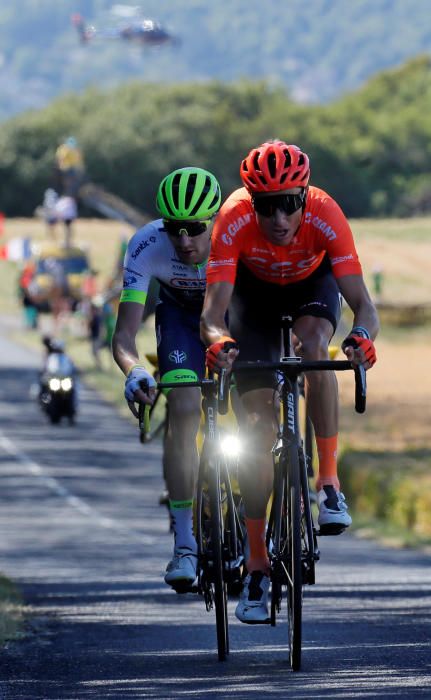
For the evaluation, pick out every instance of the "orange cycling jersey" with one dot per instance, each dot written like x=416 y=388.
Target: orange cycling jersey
x=323 y=229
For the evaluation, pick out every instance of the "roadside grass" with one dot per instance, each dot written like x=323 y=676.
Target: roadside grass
x=390 y=493
x=8 y=287
x=387 y=533
x=12 y=612
x=401 y=247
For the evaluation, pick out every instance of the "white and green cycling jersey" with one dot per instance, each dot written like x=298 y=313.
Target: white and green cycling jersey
x=150 y=254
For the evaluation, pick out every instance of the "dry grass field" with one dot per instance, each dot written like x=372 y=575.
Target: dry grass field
x=402 y=247
x=399 y=386
x=398 y=415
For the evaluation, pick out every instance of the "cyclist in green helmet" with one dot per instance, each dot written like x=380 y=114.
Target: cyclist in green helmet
x=174 y=250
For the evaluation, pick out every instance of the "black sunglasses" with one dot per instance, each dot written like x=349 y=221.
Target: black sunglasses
x=188 y=228
x=287 y=203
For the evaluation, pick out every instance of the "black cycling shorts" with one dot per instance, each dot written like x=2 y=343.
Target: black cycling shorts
x=257 y=307
x=181 y=354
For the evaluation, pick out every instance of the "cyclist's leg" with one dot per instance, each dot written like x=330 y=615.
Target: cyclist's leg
x=256 y=480
x=181 y=358
x=322 y=393
x=258 y=340
x=256 y=470
x=316 y=318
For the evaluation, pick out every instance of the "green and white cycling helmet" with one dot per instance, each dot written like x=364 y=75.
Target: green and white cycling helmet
x=190 y=194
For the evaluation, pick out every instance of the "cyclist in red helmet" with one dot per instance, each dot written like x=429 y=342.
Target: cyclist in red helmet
x=281 y=246
x=275 y=166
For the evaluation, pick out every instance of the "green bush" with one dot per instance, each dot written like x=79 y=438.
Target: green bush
x=391 y=487
x=370 y=150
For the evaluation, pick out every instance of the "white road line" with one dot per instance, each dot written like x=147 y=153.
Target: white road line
x=74 y=501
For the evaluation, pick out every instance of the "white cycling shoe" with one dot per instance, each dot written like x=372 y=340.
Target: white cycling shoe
x=333 y=516
x=253 y=601
x=181 y=570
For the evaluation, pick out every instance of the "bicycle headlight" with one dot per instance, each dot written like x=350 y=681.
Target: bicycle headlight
x=230 y=445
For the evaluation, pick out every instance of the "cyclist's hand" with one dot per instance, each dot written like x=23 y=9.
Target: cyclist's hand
x=359 y=350
x=222 y=355
x=133 y=392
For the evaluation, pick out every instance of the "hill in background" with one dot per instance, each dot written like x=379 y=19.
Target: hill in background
x=317 y=50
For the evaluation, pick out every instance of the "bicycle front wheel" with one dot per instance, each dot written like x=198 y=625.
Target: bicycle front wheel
x=294 y=559
x=217 y=539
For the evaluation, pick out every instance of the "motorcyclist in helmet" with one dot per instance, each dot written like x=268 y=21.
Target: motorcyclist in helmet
x=57 y=364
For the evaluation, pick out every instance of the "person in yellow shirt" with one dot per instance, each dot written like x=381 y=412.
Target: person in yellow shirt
x=69 y=166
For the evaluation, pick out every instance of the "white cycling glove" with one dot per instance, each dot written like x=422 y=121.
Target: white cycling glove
x=136 y=375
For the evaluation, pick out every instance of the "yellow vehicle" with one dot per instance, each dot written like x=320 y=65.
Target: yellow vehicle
x=59 y=272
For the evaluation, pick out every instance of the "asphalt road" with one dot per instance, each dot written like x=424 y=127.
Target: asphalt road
x=83 y=536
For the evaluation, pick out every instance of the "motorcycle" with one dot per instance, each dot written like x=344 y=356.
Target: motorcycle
x=58 y=389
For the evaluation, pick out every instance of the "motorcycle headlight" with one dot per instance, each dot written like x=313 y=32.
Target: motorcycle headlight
x=66 y=384
x=54 y=384
x=230 y=445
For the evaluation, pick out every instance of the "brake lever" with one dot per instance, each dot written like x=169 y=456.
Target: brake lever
x=144 y=414
x=360 y=389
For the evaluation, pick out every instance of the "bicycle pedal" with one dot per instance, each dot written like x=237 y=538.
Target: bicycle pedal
x=330 y=529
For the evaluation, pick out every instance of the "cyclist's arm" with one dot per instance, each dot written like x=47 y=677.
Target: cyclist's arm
x=217 y=298
x=124 y=338
x=358 y=346
x=127 y=357
x=214 y=332
x=139 y=262
x=356 y=294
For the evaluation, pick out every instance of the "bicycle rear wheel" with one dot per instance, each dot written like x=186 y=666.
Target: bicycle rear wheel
x=294 y=559
x=216 y=540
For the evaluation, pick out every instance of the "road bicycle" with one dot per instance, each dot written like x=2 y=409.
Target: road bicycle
x=220 y=533
x=291 y=533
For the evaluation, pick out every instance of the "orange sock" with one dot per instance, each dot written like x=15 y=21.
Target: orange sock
x=327 y=452
x=258 y=560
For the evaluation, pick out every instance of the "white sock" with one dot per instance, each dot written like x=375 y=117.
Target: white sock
x=182 y=522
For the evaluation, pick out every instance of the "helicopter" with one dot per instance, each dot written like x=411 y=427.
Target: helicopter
x=130 y=26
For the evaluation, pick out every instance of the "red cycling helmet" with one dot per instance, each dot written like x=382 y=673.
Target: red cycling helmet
x=275 y=166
